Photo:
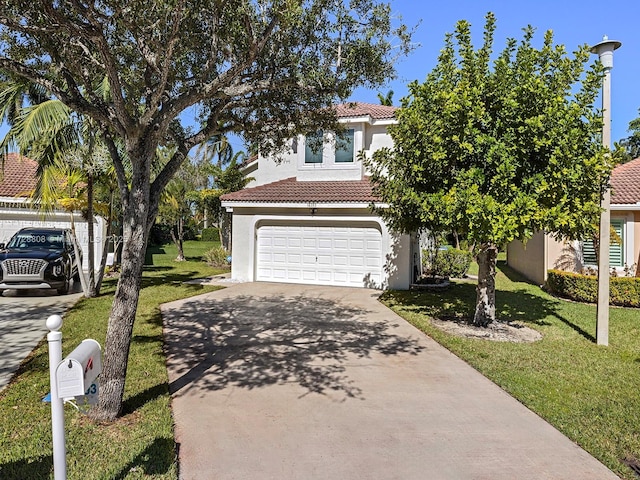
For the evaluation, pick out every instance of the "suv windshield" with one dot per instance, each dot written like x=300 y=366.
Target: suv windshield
x=37 y=240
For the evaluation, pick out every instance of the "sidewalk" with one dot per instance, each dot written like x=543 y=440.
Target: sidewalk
x=274 y=381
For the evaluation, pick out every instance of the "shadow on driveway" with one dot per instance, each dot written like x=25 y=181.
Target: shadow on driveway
x=254 y=341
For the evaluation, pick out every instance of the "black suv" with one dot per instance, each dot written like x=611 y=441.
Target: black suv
x=39 y=258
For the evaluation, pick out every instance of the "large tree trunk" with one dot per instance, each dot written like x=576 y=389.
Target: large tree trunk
x=138 y=209
x=486 y=290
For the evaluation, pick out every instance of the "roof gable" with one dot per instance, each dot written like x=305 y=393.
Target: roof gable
x=625 y=183
x=18 y=177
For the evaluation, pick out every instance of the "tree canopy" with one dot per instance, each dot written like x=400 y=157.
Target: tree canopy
x=497 y=149
x=179 y=73
x=629 y=147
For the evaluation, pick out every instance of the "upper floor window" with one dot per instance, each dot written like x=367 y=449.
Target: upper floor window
x=323 y=148
x=344 y=146
x=313 y=147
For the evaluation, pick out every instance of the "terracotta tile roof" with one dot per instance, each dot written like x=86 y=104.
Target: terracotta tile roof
x=18 y=177
x=358 y=109
x=292 y=191
x=625 y=183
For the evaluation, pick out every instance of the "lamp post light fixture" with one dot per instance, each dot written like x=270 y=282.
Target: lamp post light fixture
x=604 y=49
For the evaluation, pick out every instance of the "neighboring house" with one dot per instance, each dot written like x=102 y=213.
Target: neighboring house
x=543 y=252
x=17 y=181
x=306 y=217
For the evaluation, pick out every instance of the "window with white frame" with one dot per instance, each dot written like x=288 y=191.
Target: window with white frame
x=313 y=147
x=344 y=146
x=322 y=148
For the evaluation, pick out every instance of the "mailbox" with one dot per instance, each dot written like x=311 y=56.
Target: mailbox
x=79 y=369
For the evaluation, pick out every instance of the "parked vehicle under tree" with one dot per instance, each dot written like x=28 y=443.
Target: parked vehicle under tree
x=39 y=258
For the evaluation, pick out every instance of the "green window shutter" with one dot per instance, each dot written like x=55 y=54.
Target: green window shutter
x=616 y=250
x=313 y=148
x=588 y=253
x=344 y=147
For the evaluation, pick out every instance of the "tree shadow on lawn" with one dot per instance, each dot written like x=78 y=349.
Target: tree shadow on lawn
x=251 y=341
x=156 y=459
x=458 y=303
x=39 y=468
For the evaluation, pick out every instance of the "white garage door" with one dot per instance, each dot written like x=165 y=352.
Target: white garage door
x=320 y=254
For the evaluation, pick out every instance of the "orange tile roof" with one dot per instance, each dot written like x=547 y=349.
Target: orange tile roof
x=18 y=178
x=625 y=183
x=359 y=109
x=292 y=191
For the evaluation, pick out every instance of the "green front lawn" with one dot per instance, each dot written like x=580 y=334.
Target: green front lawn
x=141 y=443
x=591 y=393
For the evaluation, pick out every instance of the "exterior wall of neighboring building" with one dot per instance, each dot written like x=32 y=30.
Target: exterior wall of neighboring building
x=543 y=252
x=636 y=250
x=526 y=259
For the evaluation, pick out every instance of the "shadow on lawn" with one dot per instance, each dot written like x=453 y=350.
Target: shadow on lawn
x=156 y=459
x=255 y=341
x=33 y=469
x=458 y=303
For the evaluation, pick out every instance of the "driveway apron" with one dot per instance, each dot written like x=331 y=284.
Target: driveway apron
x=23 y=316
x=276 y=381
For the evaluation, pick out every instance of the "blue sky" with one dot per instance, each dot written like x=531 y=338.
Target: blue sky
x=573 y=23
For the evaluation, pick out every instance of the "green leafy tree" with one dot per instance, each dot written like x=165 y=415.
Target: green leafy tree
x=224 y=180
x=177 y=203
x=629 y=147
x=179 y=74
x=497 y=150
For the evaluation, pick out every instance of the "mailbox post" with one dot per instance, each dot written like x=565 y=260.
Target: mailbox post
x=69 y=378
x=54 y=337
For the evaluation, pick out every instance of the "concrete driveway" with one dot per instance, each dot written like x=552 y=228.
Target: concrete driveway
x=274 y=381
x=22 y=323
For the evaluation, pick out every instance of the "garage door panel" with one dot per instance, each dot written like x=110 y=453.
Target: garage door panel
x=319 y=254
x=324 y=260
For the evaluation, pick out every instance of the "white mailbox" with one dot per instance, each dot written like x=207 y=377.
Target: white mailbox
x=79 y=369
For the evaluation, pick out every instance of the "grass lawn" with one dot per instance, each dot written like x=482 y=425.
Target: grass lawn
x=141 y=443
x=590 y=393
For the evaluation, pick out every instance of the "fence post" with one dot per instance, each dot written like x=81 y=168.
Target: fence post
x=54 y=337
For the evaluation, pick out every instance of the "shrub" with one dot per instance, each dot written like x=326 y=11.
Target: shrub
x=217 y=257
x=449 y=262
x=210 y=234
x=623 y=291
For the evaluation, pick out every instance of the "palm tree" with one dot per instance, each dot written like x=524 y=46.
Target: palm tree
x=64 y=145
x=386 y=99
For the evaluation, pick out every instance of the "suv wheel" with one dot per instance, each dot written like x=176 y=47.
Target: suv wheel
x=64 y=289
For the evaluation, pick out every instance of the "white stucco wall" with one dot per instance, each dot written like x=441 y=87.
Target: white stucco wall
x=367 y=137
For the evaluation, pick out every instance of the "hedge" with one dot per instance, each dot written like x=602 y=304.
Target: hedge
x=623 y=291
x=210 y=234
x=447 y=262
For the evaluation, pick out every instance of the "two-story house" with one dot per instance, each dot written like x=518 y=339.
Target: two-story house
x=307 y=218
